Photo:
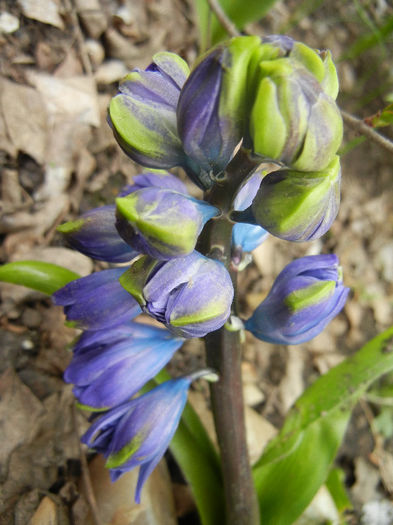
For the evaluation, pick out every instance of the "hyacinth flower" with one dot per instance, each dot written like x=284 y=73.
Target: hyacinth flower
x=137 y=433
x=210 y=113
x=94 y=234
x=297 y=206
x=162 y=223
x=191 y=295
x=97 y=301
x=143 y=113
x=293 y=120
x=110 y=366
x=304 y=298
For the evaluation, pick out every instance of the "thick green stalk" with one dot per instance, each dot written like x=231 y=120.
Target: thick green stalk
x=224 y=351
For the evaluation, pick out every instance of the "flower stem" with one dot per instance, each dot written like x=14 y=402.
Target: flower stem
x=223 y=354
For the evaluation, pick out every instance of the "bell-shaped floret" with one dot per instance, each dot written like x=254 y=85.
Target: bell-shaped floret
x=191 y=295
x=98 y=301
x=110 y=366
x=305 y=297
x=137 y=433
x=162 y=223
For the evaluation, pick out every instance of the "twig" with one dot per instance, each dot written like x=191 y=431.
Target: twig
x=361 y=127
x=226 y=23
x=79 y=38
x=85 y=473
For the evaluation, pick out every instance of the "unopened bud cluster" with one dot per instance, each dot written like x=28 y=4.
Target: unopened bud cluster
x=275 y=99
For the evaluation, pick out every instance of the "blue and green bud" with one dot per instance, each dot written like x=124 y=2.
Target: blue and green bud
x=305 y=297
x=191 y=295
x=293 y=121
x=95 y=235
x=211 y=112
x=162 y=223
x=298 y=206
x=143 y=113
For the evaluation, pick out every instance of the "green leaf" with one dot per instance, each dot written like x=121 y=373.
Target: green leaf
x=42 y=276
x=240 y=14
x=198 y=460
x=382 y=118
x=335 y=484
x=296 y=463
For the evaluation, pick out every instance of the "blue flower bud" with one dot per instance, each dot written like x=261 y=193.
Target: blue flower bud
x=110 y=366
x=305 y=297
x=191 y=295
x=97 y=301
x=162 y=223
x=143 y=113
x=211 y=108
x=95 y=235
x=138 y=432
x=298 y=206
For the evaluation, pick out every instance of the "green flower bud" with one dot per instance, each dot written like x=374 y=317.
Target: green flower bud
x=293 y=120
x=298 y=206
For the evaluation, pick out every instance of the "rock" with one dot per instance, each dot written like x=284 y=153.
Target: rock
x=322 y=509
x=377 y=513
x=95 y=51
x=8 y=23
x=31 y=318
x=259 y=432
x=110 y=71
x=385 y=261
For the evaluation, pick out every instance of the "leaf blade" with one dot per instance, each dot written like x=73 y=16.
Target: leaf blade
x=42 y=276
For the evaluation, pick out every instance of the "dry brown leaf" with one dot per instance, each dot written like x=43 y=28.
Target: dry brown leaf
x=45 y=11
x=25 y=118
x=19 y=413
x=73 y=97
x=115 y=501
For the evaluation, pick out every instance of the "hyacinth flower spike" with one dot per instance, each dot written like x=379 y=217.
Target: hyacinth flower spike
x=304 y=298
x=97 y=301
x=138 y=432
x=116 y=363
